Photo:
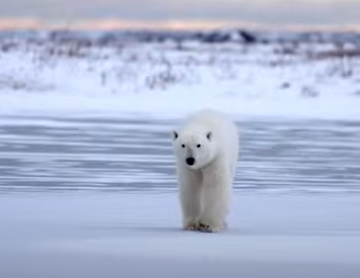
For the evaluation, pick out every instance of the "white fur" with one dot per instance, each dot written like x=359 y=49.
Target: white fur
x=205 y=187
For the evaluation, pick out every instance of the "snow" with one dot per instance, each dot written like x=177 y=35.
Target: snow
x=269 y=235
x=159 y=80
x=62 y=106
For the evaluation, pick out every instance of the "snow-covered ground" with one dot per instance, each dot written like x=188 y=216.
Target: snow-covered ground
x=87 y=186
x=137 y=235
x=96 y=197
x=289 y=80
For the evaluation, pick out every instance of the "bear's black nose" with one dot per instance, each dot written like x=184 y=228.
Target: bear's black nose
x=190 y=161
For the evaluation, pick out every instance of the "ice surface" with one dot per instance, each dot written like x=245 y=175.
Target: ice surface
x=136 y=234
x=113 y=153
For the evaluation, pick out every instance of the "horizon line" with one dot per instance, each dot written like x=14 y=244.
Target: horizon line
x=104 y=24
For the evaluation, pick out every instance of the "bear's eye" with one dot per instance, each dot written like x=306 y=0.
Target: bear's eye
x=183 y=146
x=198 y=146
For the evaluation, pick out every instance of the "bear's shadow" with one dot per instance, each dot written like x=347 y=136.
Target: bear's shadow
x=137 y=229
x=163 y=230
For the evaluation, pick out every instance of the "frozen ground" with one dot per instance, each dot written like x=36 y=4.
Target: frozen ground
x=137 y=234
x=87 y=185
x=96 y=197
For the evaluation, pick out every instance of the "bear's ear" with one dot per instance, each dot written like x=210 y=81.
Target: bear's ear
x=209 y=136
x=175 y=135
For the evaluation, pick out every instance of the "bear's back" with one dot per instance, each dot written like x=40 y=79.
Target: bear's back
x=207 y=119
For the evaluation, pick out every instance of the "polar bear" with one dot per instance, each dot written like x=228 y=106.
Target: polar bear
x=206 y=148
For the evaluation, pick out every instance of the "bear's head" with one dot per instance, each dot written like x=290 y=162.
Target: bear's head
x=196 y=149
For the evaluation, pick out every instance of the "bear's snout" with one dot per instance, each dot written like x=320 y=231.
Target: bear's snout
x=190 y=161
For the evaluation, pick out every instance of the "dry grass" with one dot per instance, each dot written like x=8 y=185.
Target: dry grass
x=11 y=83
x=336 y=54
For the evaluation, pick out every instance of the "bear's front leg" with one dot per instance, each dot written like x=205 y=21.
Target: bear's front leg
x=215 y=202
x=190 y=187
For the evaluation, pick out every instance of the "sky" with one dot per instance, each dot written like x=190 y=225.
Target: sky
x=263 y=12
